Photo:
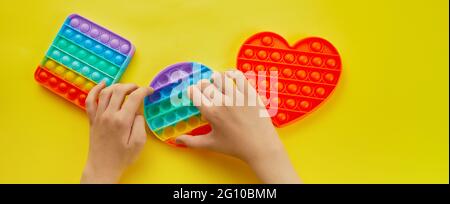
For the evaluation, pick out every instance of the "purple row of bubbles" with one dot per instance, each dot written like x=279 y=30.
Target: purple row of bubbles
x=101 y=34
x=163 y=82
x=172 y=74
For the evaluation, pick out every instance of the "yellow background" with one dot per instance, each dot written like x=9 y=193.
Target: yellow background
x=387 y=121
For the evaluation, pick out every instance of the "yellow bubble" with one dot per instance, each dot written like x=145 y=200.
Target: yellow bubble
x=193 y=121
x=59 y=70
x=79 y=81
x=50 y=64
x=89 y=86
x=70 y=76
x=180 y=127
x=169 y=132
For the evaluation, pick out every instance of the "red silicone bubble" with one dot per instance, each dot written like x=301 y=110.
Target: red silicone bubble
x=61 y=87
x=308 y=72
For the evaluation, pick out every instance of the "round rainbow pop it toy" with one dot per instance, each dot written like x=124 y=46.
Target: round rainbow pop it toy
x=168 y=111
x=307 y=73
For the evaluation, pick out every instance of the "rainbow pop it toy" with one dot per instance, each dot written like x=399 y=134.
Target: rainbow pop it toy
x=308 y=73
x=82 y=55
x=168 y=111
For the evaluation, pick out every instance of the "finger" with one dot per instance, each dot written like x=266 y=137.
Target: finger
x=224 y=83
x=202 y=84
x=198 y=141
x=104 y=98
x=131 y=105
x=241 y=81
x=232 y=96
x=264 y=101
x=91 y=100
x=212 y=93
x=218 y=81
x=138 y=136
x=118 y=95
x=197 y=97
x=246 y=93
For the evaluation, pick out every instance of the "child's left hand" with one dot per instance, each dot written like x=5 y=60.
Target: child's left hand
x=117 y=131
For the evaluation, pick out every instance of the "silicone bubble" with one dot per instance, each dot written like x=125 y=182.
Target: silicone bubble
x=181 y=126
x=55 y=54
x=59 y=70
x=317 y=61
x=118 y=59
x=153 y=110
x=329 y=77
x=78 y=38
x=114 y=43
x=303 y=60
x=107 y=81
x=86 y=71
x=168 y=111
x=62 y=43
x=320 y=92
x=94 y=32
x=72 y=94
x=66 y=60
x=85 y=27
x=88 y=86
x=262 y=54
x=50 y=64
x=62 y=87
x=275 y=56
x=96 y=76
x=78 y=81
x=306 y=73
x=91 y=60
x=112 y=70
x=81 y=54
x=104 y=38
x=88 y=43
x=259 y=68
x=69 y=76
x=76 y=65
x=68 y=32
x=108 y=54
x=102 y=65
x=98 y=49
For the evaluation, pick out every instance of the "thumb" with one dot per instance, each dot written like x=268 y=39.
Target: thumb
x=198 y=141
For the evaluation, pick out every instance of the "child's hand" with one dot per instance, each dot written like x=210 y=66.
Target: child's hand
x=239 y=131
x=117 y=131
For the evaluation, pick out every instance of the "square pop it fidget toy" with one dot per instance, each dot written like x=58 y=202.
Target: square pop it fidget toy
x=168 y=111
x=308 y=72
x=82 y=55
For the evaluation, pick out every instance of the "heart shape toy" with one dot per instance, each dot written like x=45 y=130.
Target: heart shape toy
x=307 y=73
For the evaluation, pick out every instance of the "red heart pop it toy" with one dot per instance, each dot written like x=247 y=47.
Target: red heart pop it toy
x=308 y=72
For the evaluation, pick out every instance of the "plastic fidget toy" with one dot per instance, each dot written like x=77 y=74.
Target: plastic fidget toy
x=307 y=73
x=82 y=55
x=168 y=111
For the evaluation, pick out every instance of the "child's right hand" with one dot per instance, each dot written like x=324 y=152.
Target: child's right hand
x=240 y=131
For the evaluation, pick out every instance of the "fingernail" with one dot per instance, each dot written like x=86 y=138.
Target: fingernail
x=150 y=89
x=178 y=142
